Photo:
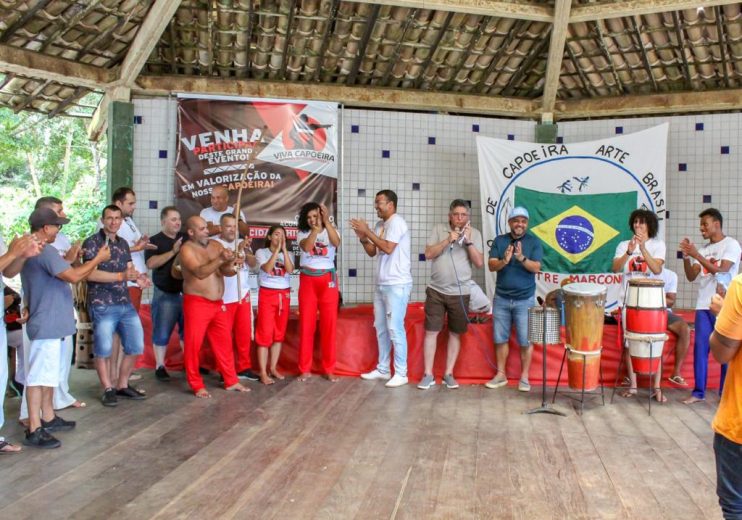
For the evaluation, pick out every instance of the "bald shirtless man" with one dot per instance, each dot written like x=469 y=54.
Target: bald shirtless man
x=204 y=264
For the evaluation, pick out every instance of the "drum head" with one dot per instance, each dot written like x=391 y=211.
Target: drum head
x=646 y=282
x=585 y=289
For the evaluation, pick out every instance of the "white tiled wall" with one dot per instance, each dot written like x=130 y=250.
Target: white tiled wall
x=430 y=159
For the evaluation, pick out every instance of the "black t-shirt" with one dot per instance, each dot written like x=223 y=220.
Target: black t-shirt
x=161 y=276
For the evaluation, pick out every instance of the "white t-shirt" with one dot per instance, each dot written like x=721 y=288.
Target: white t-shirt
x=129 y=232
x=670 y=279
x=231 y=294
x=211 y=215
x=279 y=278
x=62 y=243
x=323 y=254
x=394 y=269
x=636 y=266
x=725 y=249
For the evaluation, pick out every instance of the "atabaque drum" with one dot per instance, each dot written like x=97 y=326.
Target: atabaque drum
x=646 y=312
x=584 y=305
x=645 y=351
x=543 y=321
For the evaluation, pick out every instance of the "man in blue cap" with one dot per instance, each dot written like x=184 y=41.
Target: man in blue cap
x=516 y=258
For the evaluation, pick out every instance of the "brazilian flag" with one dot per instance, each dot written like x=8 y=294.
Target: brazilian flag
x=579 y=232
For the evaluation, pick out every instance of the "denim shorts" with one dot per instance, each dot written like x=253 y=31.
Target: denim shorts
x=122 y=319
x=167 y=311
x=506 y=313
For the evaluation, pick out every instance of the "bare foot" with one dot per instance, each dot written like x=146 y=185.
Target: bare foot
x=266 y=380
x=628 y=392
x=237 y=387
x=6 y=447
x=79 y=404
x=332 y=378
x=304 y=377
x=277 y=375
x=693 y=399
x=203 y=394
x=659 y=396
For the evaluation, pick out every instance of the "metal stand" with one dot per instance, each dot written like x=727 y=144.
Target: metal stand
x=651 y=375
x=582 y=393
x=545 y=407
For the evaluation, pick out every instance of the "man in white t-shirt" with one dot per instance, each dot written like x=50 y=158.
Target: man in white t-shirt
x=718 y=259
x=390 y=240
x=641 y=257
x=238 y=311
x=220 y=206
x=676 y=325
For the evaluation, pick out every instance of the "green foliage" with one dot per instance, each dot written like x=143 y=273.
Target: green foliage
x=42 y=157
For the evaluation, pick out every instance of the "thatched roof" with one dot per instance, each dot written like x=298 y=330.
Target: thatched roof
x=474 y=53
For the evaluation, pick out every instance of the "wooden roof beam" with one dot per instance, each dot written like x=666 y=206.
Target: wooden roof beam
x=556 y=54
x=678 y=102
x=149 y=34
x=496 y=8
x=32 y=64
x=359 y=96
x=99 y=121
x=589 y=12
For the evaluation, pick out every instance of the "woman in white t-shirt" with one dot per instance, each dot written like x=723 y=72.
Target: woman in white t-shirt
x=318 y=288
x=641 y=257
x=274 y=297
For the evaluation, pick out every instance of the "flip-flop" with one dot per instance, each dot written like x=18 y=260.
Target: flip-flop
x=6 y=447
x=678 y=380
x=628 y=392
x=658 y=393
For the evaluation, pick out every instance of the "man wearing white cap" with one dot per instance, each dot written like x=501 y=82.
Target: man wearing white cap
x=516 y=258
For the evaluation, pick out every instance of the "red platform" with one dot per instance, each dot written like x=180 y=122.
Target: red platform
x=357 y=351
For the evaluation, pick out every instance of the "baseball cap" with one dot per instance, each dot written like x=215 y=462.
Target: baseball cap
x=46 y=217
x=518 y=211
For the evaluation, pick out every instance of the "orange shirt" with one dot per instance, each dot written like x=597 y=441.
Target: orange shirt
x=728 y=419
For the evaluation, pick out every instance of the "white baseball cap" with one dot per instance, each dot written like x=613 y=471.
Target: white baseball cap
x=518 y=211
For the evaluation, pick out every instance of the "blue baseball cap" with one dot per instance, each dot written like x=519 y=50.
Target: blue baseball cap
x=518 y=211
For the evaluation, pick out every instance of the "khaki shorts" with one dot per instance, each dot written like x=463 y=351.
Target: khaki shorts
x=437 y=305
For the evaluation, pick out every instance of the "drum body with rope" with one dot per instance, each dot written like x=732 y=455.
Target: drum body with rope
x=584 y=305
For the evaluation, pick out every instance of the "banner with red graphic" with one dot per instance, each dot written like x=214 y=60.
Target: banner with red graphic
x=283 y=153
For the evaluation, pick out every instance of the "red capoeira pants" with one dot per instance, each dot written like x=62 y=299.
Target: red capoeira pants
x=207 y=318
x=273 y=316
x=317 y=293
x=240 y=323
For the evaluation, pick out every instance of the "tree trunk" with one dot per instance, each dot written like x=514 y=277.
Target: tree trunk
x=34 y=175
x=96 y=161
x=66 y=161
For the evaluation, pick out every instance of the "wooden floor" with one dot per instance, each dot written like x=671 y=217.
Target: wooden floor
x=355 y=449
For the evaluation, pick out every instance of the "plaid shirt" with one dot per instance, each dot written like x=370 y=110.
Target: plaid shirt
x=108 y=293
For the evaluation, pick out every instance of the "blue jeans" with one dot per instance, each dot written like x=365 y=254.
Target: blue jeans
x=506 y=313
x=122 y=319
x=728 y=476
x=167 y=311
x=704 y=327
x=390 y=307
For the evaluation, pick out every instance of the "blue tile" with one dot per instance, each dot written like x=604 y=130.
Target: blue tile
x=415 y=186
x=352 y=273
x=431 y=140
x=137 y=120
x=511 y=137
x=560 y=139
x=163 y=154
x=667 y=215
x=354 y=129
x=421 y=257
x=385 y=154
x=153 y=204
x=679 y=255
x=725 y=150
x=699 y=127
x=619 y=129
x=361 y=192
x=475 y=128
x=707 y=199
x=682 y=167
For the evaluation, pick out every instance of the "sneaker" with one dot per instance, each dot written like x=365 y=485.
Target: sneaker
x=396 y=381
x=375 y=374
x=57 y=424
x=162 y=375
x=249 y=375
x=497 y=381
x=203 y=371
x=41 y=438
x=524 y=386
x=109 y=397
x=426 y=382
x=130 y=393
x=450 y=382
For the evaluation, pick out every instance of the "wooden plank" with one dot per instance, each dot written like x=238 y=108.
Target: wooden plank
x=499 y=8
x=556 y=54
x=587 y=12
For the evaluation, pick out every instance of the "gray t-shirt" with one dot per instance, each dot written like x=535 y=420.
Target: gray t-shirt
x=447 y=274
x=49 y=299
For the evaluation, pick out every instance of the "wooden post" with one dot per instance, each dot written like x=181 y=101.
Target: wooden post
x=120 y=134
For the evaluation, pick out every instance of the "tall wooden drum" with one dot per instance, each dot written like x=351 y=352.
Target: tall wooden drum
x=584 y=305
x=646 y=311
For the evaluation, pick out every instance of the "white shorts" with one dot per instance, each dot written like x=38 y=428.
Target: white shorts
x=44 y=362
